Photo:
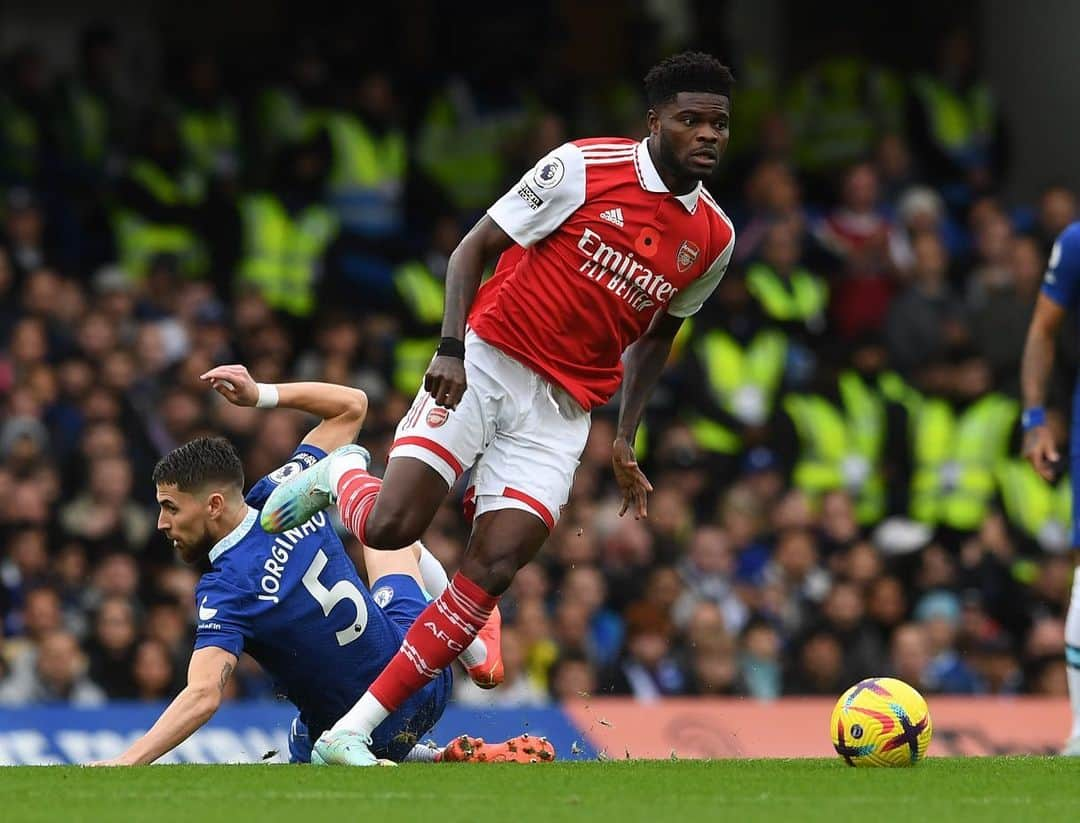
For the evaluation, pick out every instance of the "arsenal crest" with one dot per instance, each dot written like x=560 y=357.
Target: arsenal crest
x=687 y=255
x=437 y=416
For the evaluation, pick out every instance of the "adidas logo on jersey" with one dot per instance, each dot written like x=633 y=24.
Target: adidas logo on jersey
x=613 y=216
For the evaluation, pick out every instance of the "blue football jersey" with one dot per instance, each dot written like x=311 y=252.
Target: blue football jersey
x=1062 y=285
x=295 y=602
x=1062 y=281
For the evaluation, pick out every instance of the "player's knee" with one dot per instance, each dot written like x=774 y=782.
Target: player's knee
x=389 y=528
x=492 y=573
x=500 y=576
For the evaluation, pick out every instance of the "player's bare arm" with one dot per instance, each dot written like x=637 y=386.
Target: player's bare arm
x=208 y=674
x=343 y=409
x=643 y=363
x=445 y=378
x=1035 y=368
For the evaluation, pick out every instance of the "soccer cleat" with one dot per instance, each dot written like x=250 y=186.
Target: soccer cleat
x=1072 y=747
x=345 y=748
x=489 y=674
x=520 y=749
x=303 y=495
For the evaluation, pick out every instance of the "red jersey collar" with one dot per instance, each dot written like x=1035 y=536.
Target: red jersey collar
x=650 y=180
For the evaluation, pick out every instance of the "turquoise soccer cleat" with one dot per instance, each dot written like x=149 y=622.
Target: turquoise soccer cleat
x=303 y=495
x=345 y=748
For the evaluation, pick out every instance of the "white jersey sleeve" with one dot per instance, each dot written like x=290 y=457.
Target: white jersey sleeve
x=690 y=300
x=547 y=195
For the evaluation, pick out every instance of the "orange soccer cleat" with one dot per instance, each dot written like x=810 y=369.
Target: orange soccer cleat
x=489 y=674
x=520 y=749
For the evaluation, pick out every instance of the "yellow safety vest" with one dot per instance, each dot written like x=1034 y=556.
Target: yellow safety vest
x=801 y=297
x=1035 y=507
x=138 y=240
x=208 y=135
x=367 y=178
x=19 y=141
x=758 y=98
x=956 y=123
x=894 y=389
x=85 y=125
x=425 y=295
x=842 y=449
x=956 y=457
x=464 y=159
x=837 y=110
x=282 y=118
x=283 y=253
x=743 y=382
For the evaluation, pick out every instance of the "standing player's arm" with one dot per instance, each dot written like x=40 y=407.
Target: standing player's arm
x=342 y=409
x=540 y=202
x=1035 y=369
x=445 y=377
x=208 y=672
x=643 y=363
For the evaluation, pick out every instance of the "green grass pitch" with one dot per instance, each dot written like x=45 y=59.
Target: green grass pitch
x=946 y=790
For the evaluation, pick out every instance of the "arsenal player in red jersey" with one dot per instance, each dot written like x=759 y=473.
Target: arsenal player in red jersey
x=603 y=248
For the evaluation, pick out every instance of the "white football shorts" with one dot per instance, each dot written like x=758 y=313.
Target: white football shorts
x=522 y=436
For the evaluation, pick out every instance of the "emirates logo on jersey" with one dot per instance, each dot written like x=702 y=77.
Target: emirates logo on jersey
x=437 y=416
x=620 y=272
x=686 y=256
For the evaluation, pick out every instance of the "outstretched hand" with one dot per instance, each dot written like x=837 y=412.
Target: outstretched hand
x=234 y=383
x=632 y=481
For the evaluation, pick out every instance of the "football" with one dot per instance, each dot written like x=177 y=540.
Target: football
x=881 y=721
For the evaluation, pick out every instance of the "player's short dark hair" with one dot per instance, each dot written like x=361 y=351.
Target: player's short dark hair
x=201 y=462
x=688 y=71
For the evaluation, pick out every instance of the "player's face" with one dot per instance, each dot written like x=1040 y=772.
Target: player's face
x=693 y=132
x=184 y=518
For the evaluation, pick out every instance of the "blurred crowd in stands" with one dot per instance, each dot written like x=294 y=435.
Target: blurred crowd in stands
x=834 y=446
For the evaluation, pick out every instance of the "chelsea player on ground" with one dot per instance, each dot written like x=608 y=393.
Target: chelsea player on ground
x=1060 y=294
x=294 y=601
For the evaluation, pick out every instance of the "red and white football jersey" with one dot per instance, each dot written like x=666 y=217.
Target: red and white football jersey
x=602 y=246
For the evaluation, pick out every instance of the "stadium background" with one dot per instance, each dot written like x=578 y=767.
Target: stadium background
x=159 y=169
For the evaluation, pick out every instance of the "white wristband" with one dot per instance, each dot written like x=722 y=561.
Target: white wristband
x=268 y=396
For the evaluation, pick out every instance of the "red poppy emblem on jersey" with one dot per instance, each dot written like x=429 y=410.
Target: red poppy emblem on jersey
x=437 y=416
x=648 y=242
x=687 y=255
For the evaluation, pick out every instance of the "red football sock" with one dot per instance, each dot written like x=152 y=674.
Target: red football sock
x=357 y=492
x=437 y=637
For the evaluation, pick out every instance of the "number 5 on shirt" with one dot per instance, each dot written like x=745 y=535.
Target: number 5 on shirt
x=328 y=598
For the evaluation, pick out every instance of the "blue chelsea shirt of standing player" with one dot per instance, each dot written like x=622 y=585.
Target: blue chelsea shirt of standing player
x=1062 y=285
